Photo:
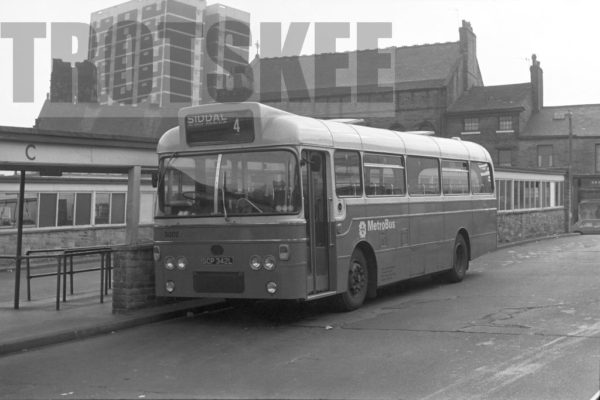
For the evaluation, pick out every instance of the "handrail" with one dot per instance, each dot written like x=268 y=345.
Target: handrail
x=61 y=255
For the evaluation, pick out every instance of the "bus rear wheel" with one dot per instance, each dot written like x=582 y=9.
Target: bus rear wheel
x=358 y=283
x=460 y=261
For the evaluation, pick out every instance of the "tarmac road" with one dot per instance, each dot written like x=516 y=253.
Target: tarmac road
x=525 y=324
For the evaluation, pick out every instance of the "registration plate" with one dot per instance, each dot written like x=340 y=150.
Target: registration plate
x=220 y=260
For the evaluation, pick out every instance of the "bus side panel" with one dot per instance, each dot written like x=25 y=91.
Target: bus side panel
x=485 y=235
x=426 y=234
x=346 y=240
x=388 y=233
x=458 y=213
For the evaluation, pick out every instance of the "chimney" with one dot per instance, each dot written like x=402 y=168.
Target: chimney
x=468 y=50
x=537 y=84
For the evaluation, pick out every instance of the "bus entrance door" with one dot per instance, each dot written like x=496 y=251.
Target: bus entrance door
x=314 y=179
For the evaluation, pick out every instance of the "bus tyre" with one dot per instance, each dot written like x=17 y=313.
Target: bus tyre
x=460 y=261
x=358 y=283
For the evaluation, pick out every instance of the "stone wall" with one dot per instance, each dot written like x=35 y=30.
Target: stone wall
x=518 y=226
x=66 y=237
x=133 y=278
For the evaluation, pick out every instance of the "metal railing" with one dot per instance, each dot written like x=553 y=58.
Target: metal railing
x=64 y=259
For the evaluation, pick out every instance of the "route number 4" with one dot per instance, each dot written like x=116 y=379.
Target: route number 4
x=236 y=125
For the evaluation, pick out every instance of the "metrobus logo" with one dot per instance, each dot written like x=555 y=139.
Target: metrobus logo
x=375 y=225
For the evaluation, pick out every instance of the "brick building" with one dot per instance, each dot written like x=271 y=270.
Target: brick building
x=414 y=94
x=519 y=132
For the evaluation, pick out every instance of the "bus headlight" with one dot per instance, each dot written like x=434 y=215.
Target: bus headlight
x=271 y=287
x=170 y=263
x=170 y=286
x=181 y=263
x=156 y=253
x=255 y=263
x=269 y=263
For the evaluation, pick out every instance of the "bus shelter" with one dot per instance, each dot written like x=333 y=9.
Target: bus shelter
x=52 y=153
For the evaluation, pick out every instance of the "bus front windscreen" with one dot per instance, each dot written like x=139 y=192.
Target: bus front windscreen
x=229 y=184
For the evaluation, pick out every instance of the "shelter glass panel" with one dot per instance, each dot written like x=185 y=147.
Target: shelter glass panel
x=83 y=207
x=102 y=208
x=48 y=209
x=117 y=208
x=66 y=206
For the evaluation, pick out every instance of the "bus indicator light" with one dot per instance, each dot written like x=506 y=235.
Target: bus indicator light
x=271 y=287
x=181 y=263
x=170 y=286
x=269 y=263
x=170 y=263
x=255 y=263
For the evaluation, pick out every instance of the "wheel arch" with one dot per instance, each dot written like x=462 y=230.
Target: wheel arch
x=465 y=234
x=369 y=253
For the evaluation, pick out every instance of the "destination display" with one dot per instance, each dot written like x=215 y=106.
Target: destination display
x=220 y=127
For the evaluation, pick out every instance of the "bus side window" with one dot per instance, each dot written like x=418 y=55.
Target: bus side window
x=348 y=180
x=455 y=177
x=423 y=175
x=481 y=178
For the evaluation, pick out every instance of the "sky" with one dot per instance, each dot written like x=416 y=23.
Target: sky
x=563 y=34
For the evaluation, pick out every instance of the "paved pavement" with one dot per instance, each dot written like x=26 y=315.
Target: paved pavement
x=38 y=323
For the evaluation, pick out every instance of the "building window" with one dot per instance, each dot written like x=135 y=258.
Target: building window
x=471 y=125
x=110 y=208
x=9 y=210
x=66 y=207
x=515 y=195
x=83 y=209
x=47 y=209
x=505 y=123
x=62 y=209
x=504 y=158
x=544 y=156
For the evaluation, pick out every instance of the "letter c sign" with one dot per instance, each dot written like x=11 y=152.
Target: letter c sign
x=30 y=152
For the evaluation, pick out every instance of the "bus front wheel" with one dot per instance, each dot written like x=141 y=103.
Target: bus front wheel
x=358 y=283
x=460 y=261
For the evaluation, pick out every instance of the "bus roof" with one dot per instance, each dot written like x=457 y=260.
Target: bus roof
x=274 y=127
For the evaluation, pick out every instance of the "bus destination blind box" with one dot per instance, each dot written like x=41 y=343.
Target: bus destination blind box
x=220 y=127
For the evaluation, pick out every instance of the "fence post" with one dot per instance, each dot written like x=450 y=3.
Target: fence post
x=64 y=278
x=19 y=241
x=101 y=277
x=28 y=277
x=71 y=272
x=58 y=258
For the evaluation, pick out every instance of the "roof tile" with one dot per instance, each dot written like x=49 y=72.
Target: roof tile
x=490 y=98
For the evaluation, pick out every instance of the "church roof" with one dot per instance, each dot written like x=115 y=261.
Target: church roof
x=421 y=66
x=492 y=98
